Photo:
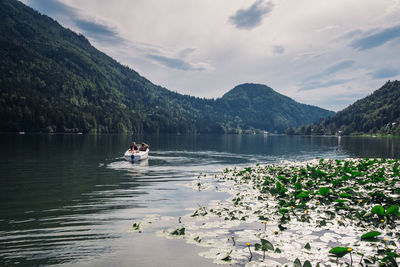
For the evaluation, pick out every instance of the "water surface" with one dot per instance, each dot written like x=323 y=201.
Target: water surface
x=70 y=199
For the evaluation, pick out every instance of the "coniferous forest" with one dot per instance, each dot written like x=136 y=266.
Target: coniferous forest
x=378 y=113
x=54 y=80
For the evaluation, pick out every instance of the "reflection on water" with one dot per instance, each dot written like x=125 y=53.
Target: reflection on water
x=71 y=198
x=370 y=147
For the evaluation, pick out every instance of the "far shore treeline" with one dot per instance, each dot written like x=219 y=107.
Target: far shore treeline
x=54 y=80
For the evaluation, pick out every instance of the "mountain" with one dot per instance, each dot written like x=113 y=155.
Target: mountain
x=261 y=107
x=378 y=113
x=54 y=80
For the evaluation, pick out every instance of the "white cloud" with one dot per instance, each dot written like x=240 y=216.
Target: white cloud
x=205 y=48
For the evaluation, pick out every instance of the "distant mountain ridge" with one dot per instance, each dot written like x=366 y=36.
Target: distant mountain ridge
x=54 y=80
x=378 y=113
x=261 y=107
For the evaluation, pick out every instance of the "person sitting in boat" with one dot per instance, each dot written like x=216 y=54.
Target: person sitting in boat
x=144 y=147
x=133 y=147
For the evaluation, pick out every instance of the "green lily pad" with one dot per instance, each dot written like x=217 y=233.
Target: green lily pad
x=298 y=186
x=378 y=209
x=370 y=235
x=227 y=258
x=323 y=191
x=345 y=195
x=283 y=211
x=297 y=263
x=390 y=258
x=339 y=251
x=266 y=245
x=302 y=195
x=394 y=209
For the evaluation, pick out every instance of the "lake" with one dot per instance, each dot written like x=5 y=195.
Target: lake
x=70 y=199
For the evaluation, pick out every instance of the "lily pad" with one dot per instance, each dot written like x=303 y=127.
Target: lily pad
x=297 y=263
x=227 y=258
x=370 y=235
x=394 y=209
x=178 y=231
x=345 y=195
x=339 y=251
x=323 y=191
x=302 y=195
x=283 y=211
x=378 y=209
x=265 y=245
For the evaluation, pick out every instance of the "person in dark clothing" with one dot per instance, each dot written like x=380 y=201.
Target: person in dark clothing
x=144 y=147
x=133 y=147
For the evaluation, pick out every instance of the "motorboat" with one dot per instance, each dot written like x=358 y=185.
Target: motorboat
x=136 y=155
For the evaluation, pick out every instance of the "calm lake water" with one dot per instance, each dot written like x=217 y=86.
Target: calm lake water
x=70 y=199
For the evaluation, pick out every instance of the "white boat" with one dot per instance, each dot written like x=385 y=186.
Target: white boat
x=136 y=155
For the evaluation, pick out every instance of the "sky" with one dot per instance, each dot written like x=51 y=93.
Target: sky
x=324 y=53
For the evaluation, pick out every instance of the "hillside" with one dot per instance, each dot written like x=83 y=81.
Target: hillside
x=54 y=80
x=261 y=107
x=378 y=113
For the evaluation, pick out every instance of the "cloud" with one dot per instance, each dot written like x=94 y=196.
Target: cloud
x=327 y=28
x=186 y=52
x=322 y=79
x=339 y=66
x=330 y=70
x=98 y=31
x=352 y=34
x=384 y=73
x=175 y=63
x=319 y=84
x=53 y=8
x=251 y=17
x=278 y=49
x=341 y=100
x=377 y=39
x=106 y=34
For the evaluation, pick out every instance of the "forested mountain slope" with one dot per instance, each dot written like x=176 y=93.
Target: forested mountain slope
x=378 y=113
x=261 y=107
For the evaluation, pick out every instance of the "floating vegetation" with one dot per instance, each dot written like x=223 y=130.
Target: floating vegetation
x=178 y=231
x=317 y=212
x=137 y=227
x=370 y=235
x=227 y=258
x=264 y=246
x=340 y=251
x=297 y=263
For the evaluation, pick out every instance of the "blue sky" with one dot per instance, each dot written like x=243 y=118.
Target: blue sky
x=325 y=53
